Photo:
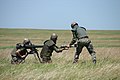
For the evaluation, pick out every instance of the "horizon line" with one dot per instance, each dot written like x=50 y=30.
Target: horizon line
x=55 y=29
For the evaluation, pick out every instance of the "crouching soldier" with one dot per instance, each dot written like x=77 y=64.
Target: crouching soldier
x=19 y=54
x=80 y=36
x=48 y=48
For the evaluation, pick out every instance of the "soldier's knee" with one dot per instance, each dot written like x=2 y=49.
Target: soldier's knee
x=92 y=52
x=46 y=59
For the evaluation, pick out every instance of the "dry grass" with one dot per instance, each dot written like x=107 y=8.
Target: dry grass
x=107 y=47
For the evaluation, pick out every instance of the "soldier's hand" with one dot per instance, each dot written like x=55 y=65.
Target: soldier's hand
x=68 y=46
x=23 y=58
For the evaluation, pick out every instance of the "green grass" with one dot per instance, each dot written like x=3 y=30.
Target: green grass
x=106 y=44
x=83 y=71
x=9 y=37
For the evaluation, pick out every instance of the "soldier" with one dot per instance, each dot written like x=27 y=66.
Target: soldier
x=48 y=48
x=80 y=36
x=19 y=55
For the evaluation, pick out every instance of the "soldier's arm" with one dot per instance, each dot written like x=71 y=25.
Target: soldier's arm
x=23 y=57
x=18 y=53
x=21 y=53
x=57 y=49
x=74 y=39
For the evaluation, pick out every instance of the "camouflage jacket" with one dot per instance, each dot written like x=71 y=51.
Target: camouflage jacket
x=78 y=33
x=48 y=48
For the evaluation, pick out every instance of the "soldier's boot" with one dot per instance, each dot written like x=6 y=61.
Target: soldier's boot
x=76 y=57
x=44 y=60
x=94 y=61
x=93 y=57
x=12 y=62
x=75 y=61
x=49 y=61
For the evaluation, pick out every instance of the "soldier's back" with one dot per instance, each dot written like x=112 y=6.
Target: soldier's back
x=47 y=48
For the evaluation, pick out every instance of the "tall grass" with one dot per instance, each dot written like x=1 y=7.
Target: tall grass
x=107 y=49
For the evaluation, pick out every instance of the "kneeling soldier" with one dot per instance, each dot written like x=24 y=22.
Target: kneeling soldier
x=48 y=48
x=19 y=55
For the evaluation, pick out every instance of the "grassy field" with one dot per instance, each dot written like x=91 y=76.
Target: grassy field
x=106 y=44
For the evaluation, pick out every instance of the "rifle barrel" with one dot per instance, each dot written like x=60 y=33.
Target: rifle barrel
x=30 y=46
x=33 y=46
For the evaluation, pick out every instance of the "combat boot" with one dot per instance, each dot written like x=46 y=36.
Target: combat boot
x=49 y=61
x=75 y=61
x=94 y=61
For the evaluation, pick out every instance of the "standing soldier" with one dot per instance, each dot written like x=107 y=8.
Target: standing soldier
x=19 y=55
x=48 y=48
x=80 y=36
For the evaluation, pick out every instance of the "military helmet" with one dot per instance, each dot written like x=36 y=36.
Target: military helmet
x=53 y=36
x=26 y=40
x=73 y=24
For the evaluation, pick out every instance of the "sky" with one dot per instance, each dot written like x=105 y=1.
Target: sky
x=59 y=14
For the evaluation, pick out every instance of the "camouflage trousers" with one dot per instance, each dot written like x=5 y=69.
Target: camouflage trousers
x=46 y=59
x=84 y=42
x=16 y=60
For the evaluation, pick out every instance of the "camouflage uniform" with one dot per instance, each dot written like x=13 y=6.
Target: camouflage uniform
x=80 y=36
x=48 y=48
x=17 y=54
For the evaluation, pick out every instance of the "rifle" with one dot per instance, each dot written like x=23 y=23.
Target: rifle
x=32 y=48
x=35 y=51
x=65 y=47
x=19 y=46
x=74 y=45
